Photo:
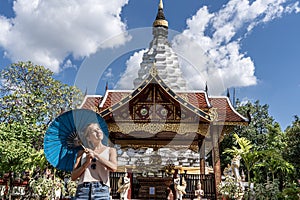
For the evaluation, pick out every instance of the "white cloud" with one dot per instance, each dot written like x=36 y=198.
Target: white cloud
x=45 y=32
x=131 y=72
x=246 y=100
x=210 y=46
x=209 y=49
x=4 y=30
x=69 y=64
x=108 y=74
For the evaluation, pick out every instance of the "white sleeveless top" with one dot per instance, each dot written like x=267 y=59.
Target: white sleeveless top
x=101 y=173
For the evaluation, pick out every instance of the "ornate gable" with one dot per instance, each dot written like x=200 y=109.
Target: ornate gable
x=153 y=101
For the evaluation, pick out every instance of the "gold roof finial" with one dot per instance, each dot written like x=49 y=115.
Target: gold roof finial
x=161 y=5
x=160 y=18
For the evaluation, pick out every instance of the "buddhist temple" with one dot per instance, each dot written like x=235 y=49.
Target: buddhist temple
x=160 y=126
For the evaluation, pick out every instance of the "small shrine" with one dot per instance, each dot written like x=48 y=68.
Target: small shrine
x=160 y=126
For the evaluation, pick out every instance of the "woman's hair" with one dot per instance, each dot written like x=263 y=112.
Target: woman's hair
x=86 y=130
x=85 y=133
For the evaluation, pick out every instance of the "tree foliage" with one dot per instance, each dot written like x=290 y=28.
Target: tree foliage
x=292 y=150
x=249 y=157
x=266 y=151
x=29 y=92
x=272 y=161
x=30 y=99
x=255 y=132
x=259 y=121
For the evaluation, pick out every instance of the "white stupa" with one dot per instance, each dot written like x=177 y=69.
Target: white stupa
x=161 y=55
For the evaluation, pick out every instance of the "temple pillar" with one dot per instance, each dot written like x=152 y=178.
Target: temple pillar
x=201 y=147
x=130 y=174
x=215 y=132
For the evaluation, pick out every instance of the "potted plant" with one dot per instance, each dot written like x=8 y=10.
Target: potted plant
x=46 y=187
x=229 y=189
x=71 y=188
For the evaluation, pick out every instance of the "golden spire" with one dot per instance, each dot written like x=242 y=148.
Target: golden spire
x=161 y=5
x=160 y=18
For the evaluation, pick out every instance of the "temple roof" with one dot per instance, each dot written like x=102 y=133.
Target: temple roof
x=218 y=110
x=225 y=110
x=226 y=113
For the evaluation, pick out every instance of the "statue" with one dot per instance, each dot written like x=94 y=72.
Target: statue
x=154 y=164
x=179 y=185
x=199 y=193
x=233 y=180
x=155 y=159
x=227 y=171
x=123 y=186
x=233 y=169
x=235 y=165
x=170 y=192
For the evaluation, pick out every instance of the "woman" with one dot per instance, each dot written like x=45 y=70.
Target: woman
x=93 y=165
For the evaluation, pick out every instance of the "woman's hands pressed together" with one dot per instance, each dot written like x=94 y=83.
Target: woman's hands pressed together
x=90 y=155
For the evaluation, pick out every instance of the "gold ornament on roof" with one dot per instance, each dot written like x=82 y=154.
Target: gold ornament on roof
x=160 y=18
x=161 y=5
x=153 y=70
x=160 y=22
x=213 y=114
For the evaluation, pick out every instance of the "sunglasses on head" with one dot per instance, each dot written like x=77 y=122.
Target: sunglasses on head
x=93 y=166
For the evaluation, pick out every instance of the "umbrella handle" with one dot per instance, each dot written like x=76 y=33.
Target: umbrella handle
x=83 y=147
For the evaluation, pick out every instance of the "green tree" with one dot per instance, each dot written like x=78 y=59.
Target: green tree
x=29 y=92
x=275 y=153
x=272 y=162
x=255 y=132
x=249 y=157
x=275 y=138
x=259 y=121
x=17 y=145
x=30 y=99
x=275 y=164
x=292 y=150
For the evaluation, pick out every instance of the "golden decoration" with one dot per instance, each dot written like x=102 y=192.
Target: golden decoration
x=124 y=95
x=184 y=97
x=161 y=22
x=213 y=114
x=154 y=128
x=192 y=147
x=153 y=71
x=161 y=5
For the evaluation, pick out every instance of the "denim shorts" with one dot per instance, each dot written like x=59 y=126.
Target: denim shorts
x=92 y=191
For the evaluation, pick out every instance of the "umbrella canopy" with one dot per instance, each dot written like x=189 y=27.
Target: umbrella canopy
x=62 y=141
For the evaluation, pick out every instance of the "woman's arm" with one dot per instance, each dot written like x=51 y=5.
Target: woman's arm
x=78 y=169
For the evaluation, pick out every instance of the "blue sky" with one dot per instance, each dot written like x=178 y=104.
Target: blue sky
x=250 y=45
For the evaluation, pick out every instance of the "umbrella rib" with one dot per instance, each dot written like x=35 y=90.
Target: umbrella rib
x=81 y=120
x=62 y=130
x=70 y=122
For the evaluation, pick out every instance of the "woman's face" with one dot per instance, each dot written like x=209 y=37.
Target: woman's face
x=95 y=132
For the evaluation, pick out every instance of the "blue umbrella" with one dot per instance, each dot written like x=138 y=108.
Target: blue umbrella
x=62 y=141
